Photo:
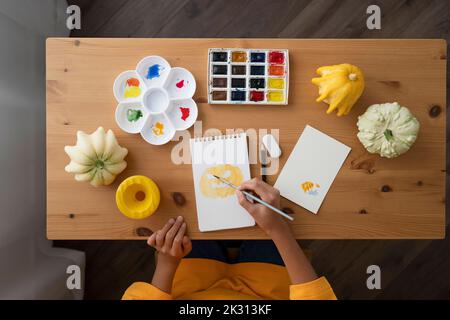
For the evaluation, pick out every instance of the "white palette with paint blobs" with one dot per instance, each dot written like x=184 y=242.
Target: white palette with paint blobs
x=155 y=100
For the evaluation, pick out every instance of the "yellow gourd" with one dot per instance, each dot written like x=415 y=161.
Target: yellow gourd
x=340 y=86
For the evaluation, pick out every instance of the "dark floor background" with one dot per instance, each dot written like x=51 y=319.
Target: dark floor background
x=410 y=269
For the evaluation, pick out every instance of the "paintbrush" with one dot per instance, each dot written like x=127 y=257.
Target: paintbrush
x=263 y=159
x=251 y=197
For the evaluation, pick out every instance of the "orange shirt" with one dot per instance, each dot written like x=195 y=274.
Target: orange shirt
x=205 y=279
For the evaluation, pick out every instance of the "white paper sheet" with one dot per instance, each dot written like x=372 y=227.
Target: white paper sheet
x=220 y=212
x=311 y=168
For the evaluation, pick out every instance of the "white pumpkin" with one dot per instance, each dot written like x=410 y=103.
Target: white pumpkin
x=96 y=157
x=387 y=129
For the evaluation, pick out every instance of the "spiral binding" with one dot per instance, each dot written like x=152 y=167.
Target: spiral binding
x=222 y=137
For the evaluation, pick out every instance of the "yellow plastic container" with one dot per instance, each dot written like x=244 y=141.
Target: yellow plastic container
x=138 y=197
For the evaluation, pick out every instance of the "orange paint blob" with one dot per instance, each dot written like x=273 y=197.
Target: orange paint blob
x=133 y=82
x=276 y=70
x=158 y=129
x=239 y=56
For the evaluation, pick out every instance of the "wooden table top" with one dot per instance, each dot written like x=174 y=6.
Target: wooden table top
x=371 y=197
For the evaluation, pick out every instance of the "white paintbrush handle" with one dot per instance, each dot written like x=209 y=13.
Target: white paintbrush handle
x=249 y=195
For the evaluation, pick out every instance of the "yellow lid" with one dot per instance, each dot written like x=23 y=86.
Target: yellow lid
x=138 y=197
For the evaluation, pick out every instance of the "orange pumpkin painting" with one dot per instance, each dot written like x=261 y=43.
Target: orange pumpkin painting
x=214 y=188
x=310 y=187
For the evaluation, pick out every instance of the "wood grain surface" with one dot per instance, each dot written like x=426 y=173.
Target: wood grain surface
x=371 y=198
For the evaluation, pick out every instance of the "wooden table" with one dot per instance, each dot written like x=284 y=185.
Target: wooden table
x=371 y=198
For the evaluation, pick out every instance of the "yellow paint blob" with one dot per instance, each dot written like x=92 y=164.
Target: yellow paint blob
x=308 y=185
x=275 y=96
x=276 y=83
x=158 y=129
x=132 y=92
x=214 y=188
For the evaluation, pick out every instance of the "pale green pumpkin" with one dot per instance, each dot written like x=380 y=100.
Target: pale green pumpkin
x=387 y=129
x=97 y=157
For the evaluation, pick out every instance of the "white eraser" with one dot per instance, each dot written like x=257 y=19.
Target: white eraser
x=271 y=145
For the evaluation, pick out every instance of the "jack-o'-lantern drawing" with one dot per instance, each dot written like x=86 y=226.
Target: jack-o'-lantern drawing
x=214 y=188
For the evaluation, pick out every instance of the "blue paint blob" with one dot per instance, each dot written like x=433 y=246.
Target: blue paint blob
x=154 y=71
x=258 y=57
x=238 y=95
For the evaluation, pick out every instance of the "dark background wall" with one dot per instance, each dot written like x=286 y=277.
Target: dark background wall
x=410 y=269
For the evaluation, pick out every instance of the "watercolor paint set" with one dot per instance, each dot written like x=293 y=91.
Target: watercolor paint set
x=248 y=76
x=155 y=100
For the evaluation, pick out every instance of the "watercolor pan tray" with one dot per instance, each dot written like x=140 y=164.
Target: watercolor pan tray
x=248 y=76
x=155 y=100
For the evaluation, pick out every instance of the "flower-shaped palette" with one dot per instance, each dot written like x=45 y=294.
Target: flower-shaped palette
x=155 y=100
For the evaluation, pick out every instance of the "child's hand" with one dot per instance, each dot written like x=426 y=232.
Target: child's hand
x=172 y=244
x=171 y=241
x=268 y=220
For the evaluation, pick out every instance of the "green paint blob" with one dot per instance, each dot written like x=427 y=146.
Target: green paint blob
x=134 y=115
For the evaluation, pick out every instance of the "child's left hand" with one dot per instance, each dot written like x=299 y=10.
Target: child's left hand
x=171 y=241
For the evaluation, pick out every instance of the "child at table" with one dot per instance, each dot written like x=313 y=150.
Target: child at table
x=273 y=269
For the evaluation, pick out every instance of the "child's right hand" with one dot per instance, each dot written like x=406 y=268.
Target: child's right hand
x=268 y=220
x=171 y=241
